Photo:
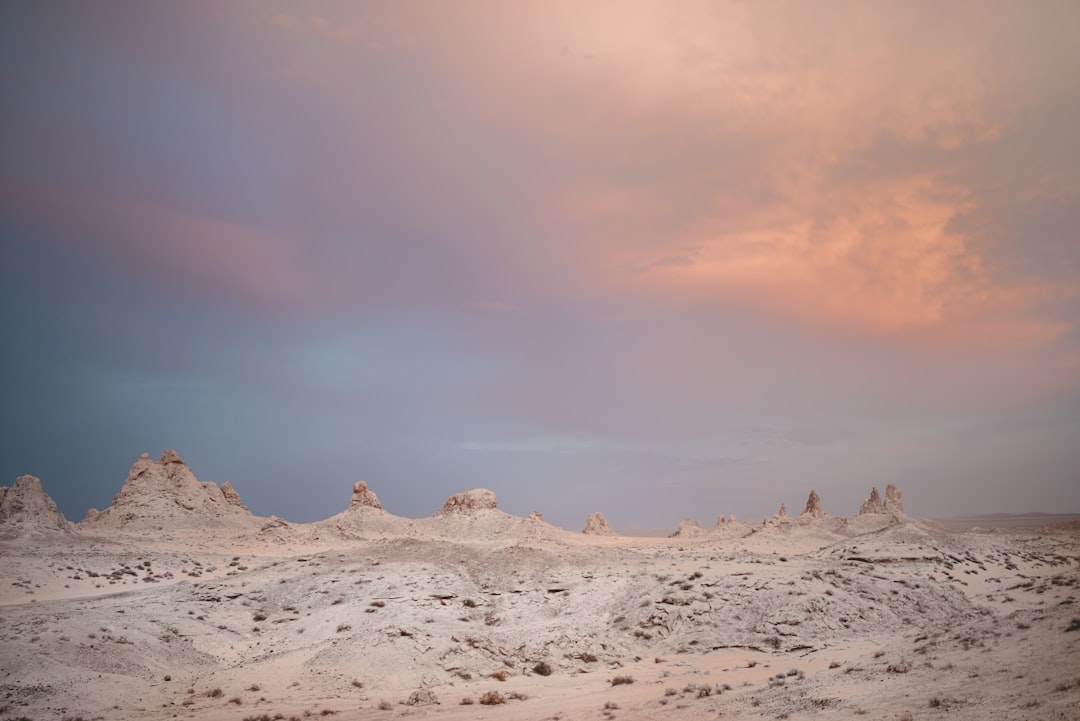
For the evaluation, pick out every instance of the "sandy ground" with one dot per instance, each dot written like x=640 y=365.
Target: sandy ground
x=431 y=618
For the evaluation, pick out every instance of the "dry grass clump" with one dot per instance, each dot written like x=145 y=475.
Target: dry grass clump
x=622 y=680
x=543 y=669
x=500 y=675
x=492 y=698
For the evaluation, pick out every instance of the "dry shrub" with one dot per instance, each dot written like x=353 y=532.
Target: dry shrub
x=492 y=698
x=622 y=680
x=543 y=669
x=500 y=675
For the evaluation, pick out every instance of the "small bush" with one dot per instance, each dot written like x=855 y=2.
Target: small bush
x=622 y=680
x=466 y=701
x=386 y=706
x=1073 y=626
x=343 y=627
x=215 y=693
x=492 y=698
x=500 y=675
x=543 y=669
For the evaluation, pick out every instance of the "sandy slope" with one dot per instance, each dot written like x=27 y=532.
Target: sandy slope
x=842 y=618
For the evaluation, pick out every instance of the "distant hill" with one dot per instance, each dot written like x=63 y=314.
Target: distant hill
x=1013 y=521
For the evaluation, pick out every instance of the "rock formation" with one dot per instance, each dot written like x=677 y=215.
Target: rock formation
x=231 y=496
x=597 y=525
x=813 y=506
x=363 y=497
x=166 y=494
x=893 y=504
x=27 y=507
x=873 y=504
x=475 y=500
x=689 y=528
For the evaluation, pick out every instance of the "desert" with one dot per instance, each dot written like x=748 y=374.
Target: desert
x=176 y=602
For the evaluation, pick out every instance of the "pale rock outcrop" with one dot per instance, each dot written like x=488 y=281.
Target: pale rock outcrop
x=689 y=528
x=873 y=504
x=363 y=497
x=782 y=515
x=597 y=525
x=274 y=522
x=26 y=506
x=813 y=506
x=477 y=499
x=728 y=522
x=166 y=494
x=893 y=503
x=231 y=496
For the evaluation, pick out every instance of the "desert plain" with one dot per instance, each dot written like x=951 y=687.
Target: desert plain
x=177 y=603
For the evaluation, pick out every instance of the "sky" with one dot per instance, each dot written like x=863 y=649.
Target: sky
x=649 y=258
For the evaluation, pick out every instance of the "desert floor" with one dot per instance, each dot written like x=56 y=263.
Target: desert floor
x=901 y=621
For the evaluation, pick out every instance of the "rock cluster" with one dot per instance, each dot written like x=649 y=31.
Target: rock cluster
x=165 y=494
x=892 y=503
x=689 y=528
x=597 y=525
x=363 y=497
x=477 y=499
x=25 y=505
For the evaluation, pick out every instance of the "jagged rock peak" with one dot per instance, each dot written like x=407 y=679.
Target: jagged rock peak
x=813 y=506
x=477 y=499
x=687 y=529
x=169 y=456
x=363 y=497
x=872 y=504
x=26 y=505
x=166 y=494
x=893 y=503
x=597 y=525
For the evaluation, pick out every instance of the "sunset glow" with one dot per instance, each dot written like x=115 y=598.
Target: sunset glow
x=669 y=256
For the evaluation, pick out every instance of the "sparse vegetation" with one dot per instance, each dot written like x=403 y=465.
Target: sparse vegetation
x=492 y=698
x=621 y=680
